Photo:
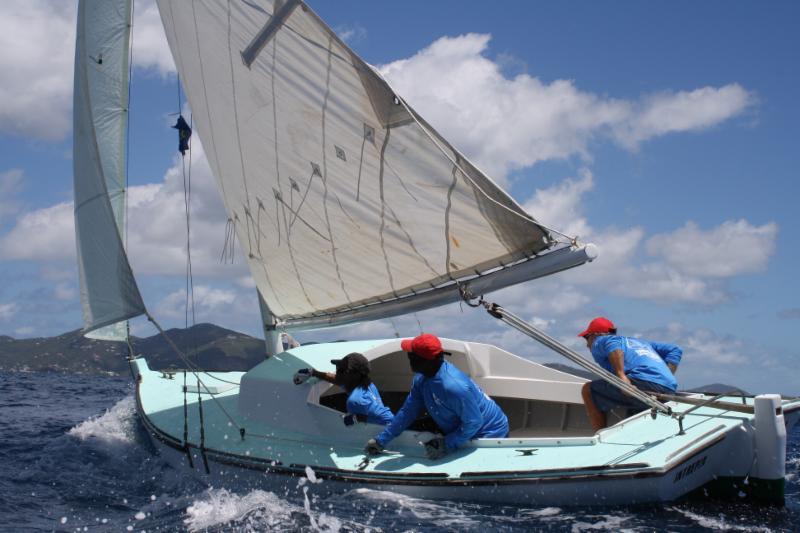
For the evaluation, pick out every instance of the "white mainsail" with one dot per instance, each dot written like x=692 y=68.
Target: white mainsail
x=109 y=295
x=342 y=197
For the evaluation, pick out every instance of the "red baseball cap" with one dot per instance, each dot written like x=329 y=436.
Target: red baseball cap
x=599 y=325
x=426 y=346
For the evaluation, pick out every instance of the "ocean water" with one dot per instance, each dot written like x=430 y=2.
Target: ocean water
x=73 y=457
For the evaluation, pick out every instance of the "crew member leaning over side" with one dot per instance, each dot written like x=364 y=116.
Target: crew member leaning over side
x=456 y=403
x=364 y=403
x=649 y=366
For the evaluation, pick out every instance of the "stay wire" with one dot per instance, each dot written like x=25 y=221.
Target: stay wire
x=187 y=197
x=193 y=369
x=190 y=308
x=242 y=431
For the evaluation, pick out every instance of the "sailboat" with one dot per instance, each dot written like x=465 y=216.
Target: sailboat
x=350 y=207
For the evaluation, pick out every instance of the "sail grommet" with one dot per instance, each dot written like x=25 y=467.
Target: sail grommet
x=369 y=133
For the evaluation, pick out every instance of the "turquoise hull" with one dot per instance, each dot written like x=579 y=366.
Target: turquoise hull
x=266 y=432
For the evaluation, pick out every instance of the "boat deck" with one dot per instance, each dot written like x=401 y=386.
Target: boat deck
x=639 y=444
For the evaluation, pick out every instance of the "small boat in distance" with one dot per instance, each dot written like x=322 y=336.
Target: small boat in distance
x=350 y=207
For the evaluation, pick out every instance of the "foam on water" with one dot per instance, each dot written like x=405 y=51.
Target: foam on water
x=442 y=513
x=719 y=523
x=602 y=523
x=116 y=425
x=254 y=511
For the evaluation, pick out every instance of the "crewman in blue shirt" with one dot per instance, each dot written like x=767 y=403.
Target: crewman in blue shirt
x=457 y=405
x=649 y=366
x=364 y=403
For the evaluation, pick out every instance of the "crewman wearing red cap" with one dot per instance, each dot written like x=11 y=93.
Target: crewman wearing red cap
x=456 y=403
x=647 y=365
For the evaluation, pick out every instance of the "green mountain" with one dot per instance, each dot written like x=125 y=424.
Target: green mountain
x=208 y=346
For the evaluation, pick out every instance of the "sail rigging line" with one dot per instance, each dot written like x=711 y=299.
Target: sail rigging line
x=187 y=198
x=394 y=327
x=192 y=367
x=301 y=219
x=305 y=194
x=186 y=423
x=419 y=324
x=200 y=383
x=202 y=427
x=430 y=136
x=216 y=167
x=517 y=323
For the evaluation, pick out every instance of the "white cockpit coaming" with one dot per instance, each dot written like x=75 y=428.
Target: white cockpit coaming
x=539 y=401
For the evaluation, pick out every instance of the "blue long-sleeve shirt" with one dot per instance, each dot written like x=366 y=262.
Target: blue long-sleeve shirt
x=457 y=405
x=366 y=401
x=643 y=360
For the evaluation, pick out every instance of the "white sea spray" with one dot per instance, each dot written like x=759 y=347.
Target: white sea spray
x=719 y=523
x=116 y=425
x=441 y=513
x=256 y=510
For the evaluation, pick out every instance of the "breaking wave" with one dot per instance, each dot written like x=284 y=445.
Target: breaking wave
x=257 y=510
x=116 y=425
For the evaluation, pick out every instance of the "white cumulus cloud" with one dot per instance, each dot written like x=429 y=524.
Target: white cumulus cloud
x=687 y=265
x=8 y=310
x=150 y=47
x=521 y=120
x=734 y=247
x=156 y=227
x=38 y=42
x=208 y=301
x=668 y=112
x=43 y=234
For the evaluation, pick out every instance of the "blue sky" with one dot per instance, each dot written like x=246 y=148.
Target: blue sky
x=667 y=133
